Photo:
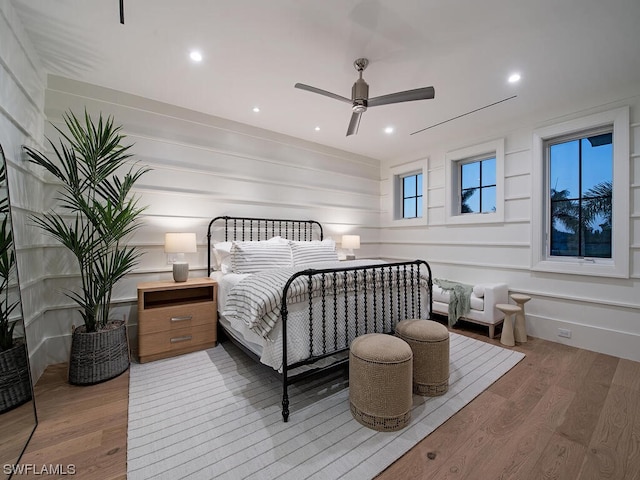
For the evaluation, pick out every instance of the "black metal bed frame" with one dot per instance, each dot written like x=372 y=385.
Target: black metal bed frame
x=394 y=288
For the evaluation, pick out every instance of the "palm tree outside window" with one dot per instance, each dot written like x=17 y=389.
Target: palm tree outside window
x=580 y=195
x=478 y=186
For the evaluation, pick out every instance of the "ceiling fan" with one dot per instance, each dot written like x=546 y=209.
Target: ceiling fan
x=360 y=100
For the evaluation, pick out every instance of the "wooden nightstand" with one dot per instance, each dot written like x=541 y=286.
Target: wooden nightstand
x=176 y=318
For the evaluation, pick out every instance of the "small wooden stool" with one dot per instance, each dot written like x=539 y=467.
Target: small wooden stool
x=520 y=328
x=429 y=342
x=380 y=368
x=506 y=337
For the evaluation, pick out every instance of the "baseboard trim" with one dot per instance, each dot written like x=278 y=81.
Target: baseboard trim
x=602 y=340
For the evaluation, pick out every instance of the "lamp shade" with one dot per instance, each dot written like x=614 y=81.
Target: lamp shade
x=351 y=241
x=180 y=243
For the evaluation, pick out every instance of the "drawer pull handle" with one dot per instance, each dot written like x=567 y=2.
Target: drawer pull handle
x=181 y=319
x=186 y=338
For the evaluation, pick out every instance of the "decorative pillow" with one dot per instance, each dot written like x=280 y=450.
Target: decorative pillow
x=222 y=253
x=313 y=252
x=252 y=257
x=478 y=291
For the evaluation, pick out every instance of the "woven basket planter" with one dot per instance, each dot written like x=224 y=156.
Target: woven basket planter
x=15 y=382
x=98 y=356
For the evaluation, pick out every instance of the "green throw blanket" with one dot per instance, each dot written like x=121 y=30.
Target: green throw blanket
x=459 y=298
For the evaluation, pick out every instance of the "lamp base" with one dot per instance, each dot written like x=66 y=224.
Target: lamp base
x=180 y=271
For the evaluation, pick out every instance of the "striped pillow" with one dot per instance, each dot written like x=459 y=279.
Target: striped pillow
x=313 y=252
x=252 y=257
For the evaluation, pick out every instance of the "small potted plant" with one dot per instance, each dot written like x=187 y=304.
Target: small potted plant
x=97 y=212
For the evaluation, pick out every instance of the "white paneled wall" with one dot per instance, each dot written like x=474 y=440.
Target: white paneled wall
x=602 y=313
x=202 y=167
x=22 y=85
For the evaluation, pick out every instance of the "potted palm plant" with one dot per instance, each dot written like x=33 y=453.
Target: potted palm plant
x=15 y=383
x=97 y=213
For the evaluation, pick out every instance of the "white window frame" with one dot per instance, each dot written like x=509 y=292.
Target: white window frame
x=397 y=173
x=618 y=265
x=453 y=160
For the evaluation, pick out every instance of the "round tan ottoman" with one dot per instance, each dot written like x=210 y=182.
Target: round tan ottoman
x=429 y=342
x=380 y=369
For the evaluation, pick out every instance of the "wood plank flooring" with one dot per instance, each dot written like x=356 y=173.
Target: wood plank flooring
x=81 y=426
x=561 y=413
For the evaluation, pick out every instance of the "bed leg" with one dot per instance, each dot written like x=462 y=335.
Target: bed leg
x=285 y=408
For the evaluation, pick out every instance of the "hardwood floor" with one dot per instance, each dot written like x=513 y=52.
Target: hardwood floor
x=82 y=427
x=561 y=413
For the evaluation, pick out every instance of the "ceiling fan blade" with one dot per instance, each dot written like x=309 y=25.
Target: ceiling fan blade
x=464 y=114
x=308 y=88
x=354 y=123
x=426 y=93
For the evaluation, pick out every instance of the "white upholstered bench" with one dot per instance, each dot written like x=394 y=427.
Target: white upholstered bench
x=483 y=311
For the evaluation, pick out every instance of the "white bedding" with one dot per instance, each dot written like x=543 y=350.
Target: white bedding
x=267 y=342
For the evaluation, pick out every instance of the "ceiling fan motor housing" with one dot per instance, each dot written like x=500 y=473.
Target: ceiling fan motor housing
x=360 y=95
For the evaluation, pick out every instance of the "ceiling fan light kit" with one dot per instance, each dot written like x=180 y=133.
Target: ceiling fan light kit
x=360 y=100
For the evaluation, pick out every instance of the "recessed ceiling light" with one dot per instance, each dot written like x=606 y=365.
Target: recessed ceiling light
x=195 y=56
x=388 y=130
x=317 y=129
x=514 y=77
x=256 y=109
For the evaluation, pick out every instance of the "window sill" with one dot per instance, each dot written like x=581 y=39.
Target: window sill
x=602 y=268
x=475 y=218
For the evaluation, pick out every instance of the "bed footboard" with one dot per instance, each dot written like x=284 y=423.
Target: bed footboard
x=347 y=302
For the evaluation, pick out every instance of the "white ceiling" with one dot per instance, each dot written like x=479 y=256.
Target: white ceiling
x=567 y=51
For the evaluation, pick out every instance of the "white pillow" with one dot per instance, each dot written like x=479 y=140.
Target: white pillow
x=478 y=291
x=222 y=256
x=313 y=252
x=253 y=257
x=280 y=240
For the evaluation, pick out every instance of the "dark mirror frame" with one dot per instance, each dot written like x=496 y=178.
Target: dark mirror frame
x=18 y=417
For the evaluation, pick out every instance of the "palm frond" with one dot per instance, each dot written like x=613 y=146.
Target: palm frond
x=88 y=161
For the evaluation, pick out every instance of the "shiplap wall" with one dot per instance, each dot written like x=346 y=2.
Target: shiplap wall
x=603 y=314
x=22 y=85
x=202 y=167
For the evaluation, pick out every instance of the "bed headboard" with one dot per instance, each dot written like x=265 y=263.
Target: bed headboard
x=255 y=229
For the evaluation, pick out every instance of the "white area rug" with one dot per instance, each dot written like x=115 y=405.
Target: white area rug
x=215 y=414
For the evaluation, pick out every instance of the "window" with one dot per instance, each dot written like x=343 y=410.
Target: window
x=478 y=186
x=412 y=196
x=407 y=190
x=580 y=197
x=475 y=183
x=580 y=194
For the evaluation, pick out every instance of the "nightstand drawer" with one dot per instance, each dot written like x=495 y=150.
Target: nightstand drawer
x=176 y=317
x=177 y=339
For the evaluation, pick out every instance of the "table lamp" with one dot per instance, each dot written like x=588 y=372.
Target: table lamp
x=349 y=243
x=180 y=243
